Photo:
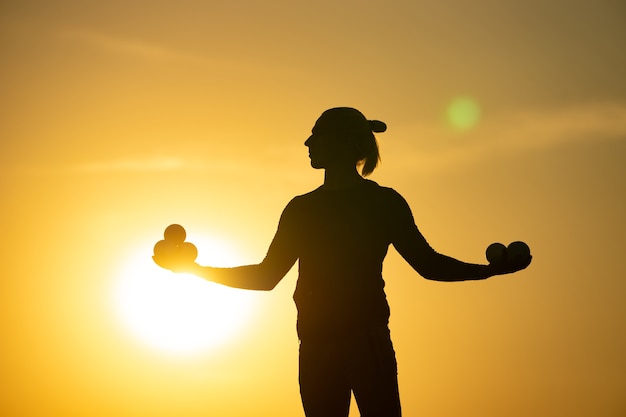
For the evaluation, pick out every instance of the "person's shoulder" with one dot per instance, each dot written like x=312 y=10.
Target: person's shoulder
x=307 y=196
x=303 y=199
x=383 y=191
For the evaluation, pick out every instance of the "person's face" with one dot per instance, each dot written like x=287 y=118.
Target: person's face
x=326 y=149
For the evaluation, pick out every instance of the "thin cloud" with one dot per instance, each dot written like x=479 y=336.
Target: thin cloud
x=132 y=165
x=157 y=164
x=436 y=148
x=150 y=51
x=128 y=46
x=532 y=130
x=137 y=165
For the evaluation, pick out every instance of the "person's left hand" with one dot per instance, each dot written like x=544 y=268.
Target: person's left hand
x=511 y=266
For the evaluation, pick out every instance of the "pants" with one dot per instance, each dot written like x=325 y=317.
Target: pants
x=363 y=363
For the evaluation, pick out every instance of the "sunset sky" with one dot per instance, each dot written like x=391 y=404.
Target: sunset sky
x=118 y=118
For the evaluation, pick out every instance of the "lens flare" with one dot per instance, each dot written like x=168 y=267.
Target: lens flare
x=463 y=113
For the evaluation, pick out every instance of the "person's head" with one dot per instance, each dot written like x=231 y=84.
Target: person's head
x=343 y=135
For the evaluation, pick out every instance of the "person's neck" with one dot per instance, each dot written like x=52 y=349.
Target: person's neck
x=337 y=179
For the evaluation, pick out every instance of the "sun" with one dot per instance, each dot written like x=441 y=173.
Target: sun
x=180 y=313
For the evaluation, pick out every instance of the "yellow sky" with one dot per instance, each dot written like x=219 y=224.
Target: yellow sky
x=118 y=118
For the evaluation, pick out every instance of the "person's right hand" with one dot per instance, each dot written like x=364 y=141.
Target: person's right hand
x=176 y=257
x=175 y=265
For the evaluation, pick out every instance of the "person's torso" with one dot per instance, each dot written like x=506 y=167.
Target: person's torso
x=342 y=240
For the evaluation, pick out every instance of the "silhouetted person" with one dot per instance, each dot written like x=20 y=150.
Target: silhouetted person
x=339 y=234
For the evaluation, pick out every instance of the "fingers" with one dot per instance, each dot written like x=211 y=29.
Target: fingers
x=174 y=265
x=511 y=266
x=508 y=259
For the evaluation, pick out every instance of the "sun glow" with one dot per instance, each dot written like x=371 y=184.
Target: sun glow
x=181 y=313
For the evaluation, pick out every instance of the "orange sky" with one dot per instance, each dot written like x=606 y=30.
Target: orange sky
x=118 y=118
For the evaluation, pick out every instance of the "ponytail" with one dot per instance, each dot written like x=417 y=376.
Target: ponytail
x=370 y=155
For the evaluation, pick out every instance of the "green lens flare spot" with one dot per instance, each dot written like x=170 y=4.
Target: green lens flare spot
x=463 y=113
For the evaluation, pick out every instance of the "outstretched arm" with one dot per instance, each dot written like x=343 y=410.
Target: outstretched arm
x=435 y=266
x=414 y=248
x=264 y=276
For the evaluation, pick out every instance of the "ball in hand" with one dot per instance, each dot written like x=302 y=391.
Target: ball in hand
x=518 y=253
x=175 y=233
x=187 y=252
x=165 y=250
x=496 y=254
